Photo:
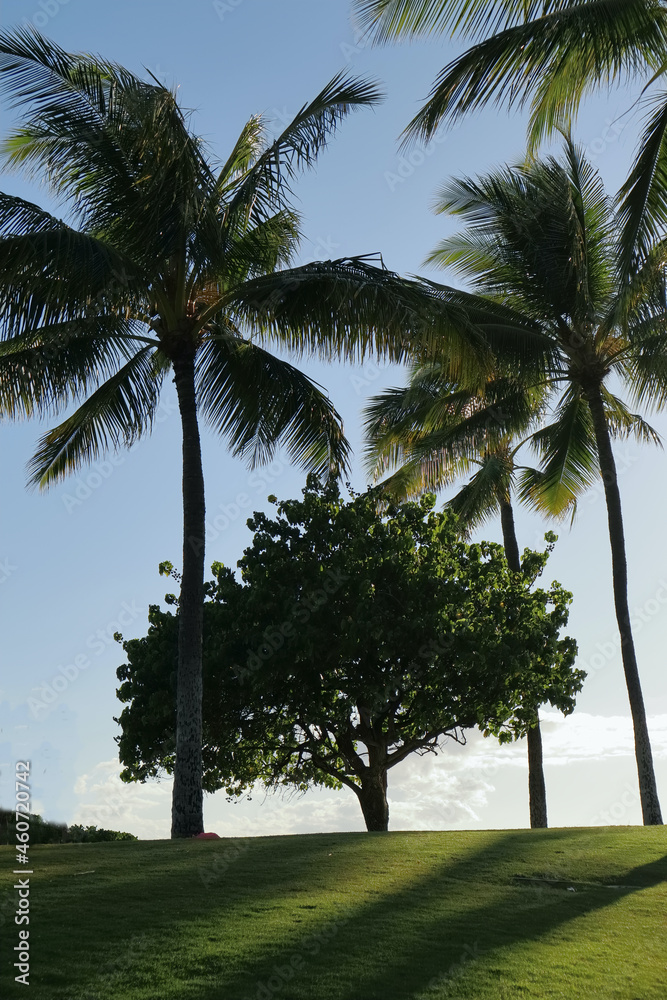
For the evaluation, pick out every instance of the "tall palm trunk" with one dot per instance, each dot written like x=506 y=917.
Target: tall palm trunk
x=647 y=784
x=187 y=801
x=537 y=791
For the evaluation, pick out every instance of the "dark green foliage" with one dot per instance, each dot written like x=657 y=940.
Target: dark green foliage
x=545 y=56
x=43 y=832
x=361 y=634
x=78 y=834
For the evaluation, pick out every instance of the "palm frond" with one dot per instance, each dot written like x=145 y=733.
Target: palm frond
x=116 y=414
x=117 y=148
x=46 y=367
x=45 y=265
x=265 y=186
x=260 y=402
x=68 y=101
x=623 y=423
x=643 y=366
x=569 y=458
x=39 y=71
x=641 y=298
x=490 y=328
x=423 y=474
x=387 y=20
x=470 y=252
x=398 y=421
x=535 y=490
x=482 y=495
x=225 y=260
x=350 y=308
x=576 y=46
x=247 y=149
x=437 y=432
x=643 y=197
x=538 y=236
x=591 y=232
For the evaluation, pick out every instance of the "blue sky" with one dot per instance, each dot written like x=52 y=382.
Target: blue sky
x=80 y=562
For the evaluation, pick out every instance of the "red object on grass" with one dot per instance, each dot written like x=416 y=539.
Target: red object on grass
x=207 y=836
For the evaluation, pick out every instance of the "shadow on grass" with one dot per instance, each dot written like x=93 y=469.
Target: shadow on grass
x=389 y=945
x=401 y=945
x=454 y=941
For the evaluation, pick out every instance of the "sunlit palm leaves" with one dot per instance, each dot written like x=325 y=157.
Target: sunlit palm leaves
x=435 y=431
x=543 y=240
x=546 y=56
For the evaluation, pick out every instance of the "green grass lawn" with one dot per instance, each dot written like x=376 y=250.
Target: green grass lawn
x=348 y=917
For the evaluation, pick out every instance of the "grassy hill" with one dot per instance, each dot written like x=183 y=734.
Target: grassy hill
x=483 y=915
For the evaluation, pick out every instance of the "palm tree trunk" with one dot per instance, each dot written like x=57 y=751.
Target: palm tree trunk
x=510 y=542
x=537 y=789
x=187 y=801
x=647 y=784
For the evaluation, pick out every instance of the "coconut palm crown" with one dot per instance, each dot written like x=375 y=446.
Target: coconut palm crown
x=173 y=266
x=544 y=240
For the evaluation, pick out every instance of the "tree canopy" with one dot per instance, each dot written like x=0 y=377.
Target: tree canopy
x=361 y=632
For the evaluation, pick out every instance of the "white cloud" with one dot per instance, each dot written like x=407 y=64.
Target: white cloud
x=454 y=789
x=596 y=737
x=106 y=801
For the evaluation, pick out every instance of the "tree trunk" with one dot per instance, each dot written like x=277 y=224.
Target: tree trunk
x=537 y=790
x=187 y=801
x=647 y=784
x=510 y=542
x=373 y=801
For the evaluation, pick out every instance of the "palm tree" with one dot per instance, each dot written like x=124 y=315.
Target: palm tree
x=437 y=432
x=543 y=237
x=173 y=265
x=546 y=56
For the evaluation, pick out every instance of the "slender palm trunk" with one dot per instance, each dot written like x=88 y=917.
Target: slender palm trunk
x=647 y=784
x=510 y=542
x=537 y=790
x=187 y=801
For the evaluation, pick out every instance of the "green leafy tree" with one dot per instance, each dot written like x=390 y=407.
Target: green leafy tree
x=547 y=57
x=173 y=265
x=79 y=834
x=435 y=433
x=362 y=633
x=543 y=237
